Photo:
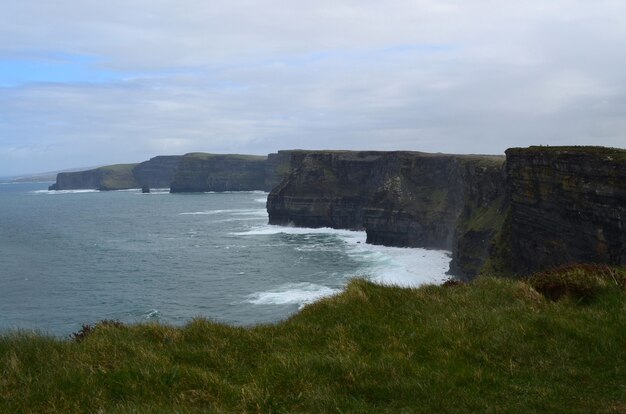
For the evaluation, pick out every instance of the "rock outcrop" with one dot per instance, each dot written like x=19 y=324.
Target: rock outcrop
x=157 y=172
x=327 y=189
x=565 y=205
x=544 y=207
x=111 y=177
x=407 y=199
x=201 y=172
x=277 y=168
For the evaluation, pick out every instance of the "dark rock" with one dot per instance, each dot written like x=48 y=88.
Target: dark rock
x=566 y=205
x=400 y=198
x=145 y=189
x=158 y=172
x=111 y=177
x=200 y=172
x=277 y=168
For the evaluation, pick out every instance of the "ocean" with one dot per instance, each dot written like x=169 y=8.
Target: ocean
x=69 y=258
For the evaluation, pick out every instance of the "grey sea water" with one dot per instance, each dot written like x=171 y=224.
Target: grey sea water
x=74 y=257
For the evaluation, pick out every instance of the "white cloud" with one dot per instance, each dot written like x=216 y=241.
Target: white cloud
x=257 y=76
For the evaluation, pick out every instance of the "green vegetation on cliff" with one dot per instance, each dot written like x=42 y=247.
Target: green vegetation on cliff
x=118 y=176
x=494 y=345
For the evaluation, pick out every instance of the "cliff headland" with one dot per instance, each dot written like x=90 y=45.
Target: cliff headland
x=540 y=207
x=536 y=208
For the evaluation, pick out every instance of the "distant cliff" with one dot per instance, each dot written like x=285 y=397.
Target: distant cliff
x=548 y=206
x=277 y=168
x=156 y=173
x=111 y=177
x=195 y=172
x=201 y=172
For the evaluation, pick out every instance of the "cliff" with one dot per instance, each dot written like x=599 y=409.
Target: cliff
x=201 y=172
x=484 y=207
x=327 y=189
x=111 y=177
x=158 y=172
x=400 y=198
x=565 y=204
x=546 y=206
x=277 y=168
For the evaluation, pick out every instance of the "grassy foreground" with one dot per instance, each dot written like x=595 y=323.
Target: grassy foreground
x=492 y=346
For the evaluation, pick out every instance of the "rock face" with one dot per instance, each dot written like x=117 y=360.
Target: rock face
x=158 y=172
x=111 y=177
x=418 y=202
x=482 y=216
x=566 y=204
x=277 y=168
x=545 y=206
x=200 y=172
x=407 y=199
x=327 y=189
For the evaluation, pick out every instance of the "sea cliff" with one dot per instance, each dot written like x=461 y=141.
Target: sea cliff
x=565 y=204
x=544 y=207
x=111 y=177
x=154 y=173
x=201 y=172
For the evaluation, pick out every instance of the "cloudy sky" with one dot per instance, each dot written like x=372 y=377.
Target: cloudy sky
x=88 y=82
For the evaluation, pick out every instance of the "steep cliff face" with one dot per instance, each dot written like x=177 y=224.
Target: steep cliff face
x=200 y=172
x=399 y=198
x=418 y=202
x=567 y=204
x=484 y=208
x=111 y=177
x=327 y=189
x=158 y=172
x=277 y=168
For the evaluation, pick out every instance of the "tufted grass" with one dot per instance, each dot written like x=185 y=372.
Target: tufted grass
x=490 y=346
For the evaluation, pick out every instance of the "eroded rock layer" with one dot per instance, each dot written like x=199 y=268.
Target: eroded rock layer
x=200 y=172
x=407 y=199
x=567 y=204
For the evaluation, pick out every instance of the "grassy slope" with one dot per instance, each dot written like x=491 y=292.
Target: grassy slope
x=495 y=345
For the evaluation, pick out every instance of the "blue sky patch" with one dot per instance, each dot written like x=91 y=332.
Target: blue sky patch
x=54 y=67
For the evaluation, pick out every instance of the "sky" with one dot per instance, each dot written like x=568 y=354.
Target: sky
x=86 y=83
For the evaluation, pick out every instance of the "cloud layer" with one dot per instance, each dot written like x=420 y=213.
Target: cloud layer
x=86 y=83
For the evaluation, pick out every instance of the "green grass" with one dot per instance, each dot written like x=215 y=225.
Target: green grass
x=118 y=177
x=243 y=157
x=615 y=154
x=492 y=346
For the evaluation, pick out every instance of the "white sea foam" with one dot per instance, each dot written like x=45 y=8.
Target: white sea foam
x=407 y=267
x=233 y=212
x=292 y=293
x=269 y=229
x=64 y=191
x=258 y=213
x=236 y=192
x=152 y=314
x=261 y=200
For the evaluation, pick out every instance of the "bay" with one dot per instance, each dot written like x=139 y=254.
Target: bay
x=73 y=257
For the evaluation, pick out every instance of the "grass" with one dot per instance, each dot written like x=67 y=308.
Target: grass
x=118 y=177
x=491 y=346
x=243 y=157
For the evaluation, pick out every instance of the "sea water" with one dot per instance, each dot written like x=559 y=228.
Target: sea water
x=69 y=258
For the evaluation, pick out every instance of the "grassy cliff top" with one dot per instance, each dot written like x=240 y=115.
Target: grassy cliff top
x=495 y=345
x=207 y=156
x=118 y=167
x=591 y=150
